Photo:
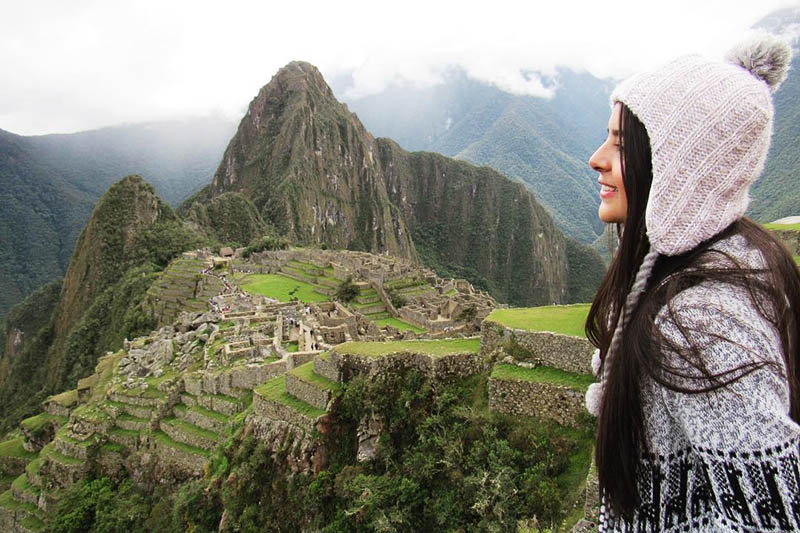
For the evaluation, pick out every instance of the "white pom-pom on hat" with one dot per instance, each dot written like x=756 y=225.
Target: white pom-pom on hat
x=765 y=56
x=594 y=396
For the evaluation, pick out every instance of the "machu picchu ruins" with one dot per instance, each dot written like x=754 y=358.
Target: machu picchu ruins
x=226 y=353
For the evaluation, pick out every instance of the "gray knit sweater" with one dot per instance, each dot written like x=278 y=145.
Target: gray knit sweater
x=726 y=460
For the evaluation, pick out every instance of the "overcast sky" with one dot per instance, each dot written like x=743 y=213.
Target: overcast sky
x=79 y=64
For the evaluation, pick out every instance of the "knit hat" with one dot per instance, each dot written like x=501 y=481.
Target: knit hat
x=709 y=125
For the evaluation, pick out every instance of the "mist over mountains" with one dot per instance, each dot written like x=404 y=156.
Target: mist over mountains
x=542 y=143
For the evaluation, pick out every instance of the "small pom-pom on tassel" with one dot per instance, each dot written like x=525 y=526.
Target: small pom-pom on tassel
x=594 y=396
x=596 y=363
x=764 y=56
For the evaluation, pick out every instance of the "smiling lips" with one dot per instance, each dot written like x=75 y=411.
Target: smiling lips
x=607 y=191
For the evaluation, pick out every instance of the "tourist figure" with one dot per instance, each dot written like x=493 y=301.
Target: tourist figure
x=696 y=320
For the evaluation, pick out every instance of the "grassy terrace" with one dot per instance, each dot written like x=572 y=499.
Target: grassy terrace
x=13 y=448
x=163 y=438
x=191 y=428
x=566 y=319
x=399 y=324
x=435 y=348
x=306 y=373
x=66 y=399
x=279 y=287
x=784 y=227
x=275 y=390
x=543 y=374
x=36 y=422
x=7 y=501
x=113 y=447
x=208 y=413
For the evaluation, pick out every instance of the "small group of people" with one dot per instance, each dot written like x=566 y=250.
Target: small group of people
x=696 y=321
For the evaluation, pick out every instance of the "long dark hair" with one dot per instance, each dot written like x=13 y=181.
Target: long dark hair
x=774 y=291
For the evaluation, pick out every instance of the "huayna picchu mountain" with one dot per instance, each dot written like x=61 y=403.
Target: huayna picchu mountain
x=56 y=335
x=315 y=173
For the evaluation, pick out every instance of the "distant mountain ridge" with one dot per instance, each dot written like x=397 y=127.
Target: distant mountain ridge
x=51 y=182
x=542 y=143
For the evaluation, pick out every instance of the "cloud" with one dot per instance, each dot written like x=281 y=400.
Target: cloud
x=82 y=64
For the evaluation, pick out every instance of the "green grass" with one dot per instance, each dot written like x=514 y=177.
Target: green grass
x=32 y=522
x=543 y=374
x=21 y=483
x=186 y=427
x=164 y=439
x=291 y=346
x=451 y=292
x=7 y=501
x=113 y=447
x=278 y=287
x=797 y=259
x=13 y=448
x=63 y=459
x=66 y=399
x=6 y=481
x=436 y=348
x=399 y=324
x=37 y=422
x=276 y=390
x=219 y=417
x=566 y=319
x=784 y=227
x=306 y=373
x=34 y=466
x=127 y=433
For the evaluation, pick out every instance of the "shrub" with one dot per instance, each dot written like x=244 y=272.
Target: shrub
x=347 y=290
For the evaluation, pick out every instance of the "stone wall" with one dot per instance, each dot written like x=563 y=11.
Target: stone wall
x=566 y=352
x=177 y=434
x=326 y=368
x=542 y=400
x=790 y=239
x=437 y=369
x=308 y=392
x=189 y=464
x=277 y=411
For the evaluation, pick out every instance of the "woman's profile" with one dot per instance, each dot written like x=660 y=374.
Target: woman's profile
x=696 y=320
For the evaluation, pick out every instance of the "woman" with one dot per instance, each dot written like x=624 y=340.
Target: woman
x=695 y=321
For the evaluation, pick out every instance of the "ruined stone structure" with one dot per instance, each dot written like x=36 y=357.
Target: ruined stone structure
x=160 y=406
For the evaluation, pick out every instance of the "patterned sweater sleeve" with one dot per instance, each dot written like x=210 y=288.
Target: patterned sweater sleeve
x=740 y=437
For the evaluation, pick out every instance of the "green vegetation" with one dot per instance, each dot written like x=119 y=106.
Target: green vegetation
x=585 y=271
x=306 y=373
x=782 y=227
x=7 y=501
x=275 y=390
x=282 y=288
x=435 y=348
x=347 y=290
x=267 y=242
x=37 y=422
x=797 y=259
x=14 y=448
x=164 y=439
x=191 y=428
x=399 y=324
x=543 y=374
x=291 y=346
x=566 y=319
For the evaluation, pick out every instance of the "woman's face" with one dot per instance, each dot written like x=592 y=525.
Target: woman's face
x=607 y=161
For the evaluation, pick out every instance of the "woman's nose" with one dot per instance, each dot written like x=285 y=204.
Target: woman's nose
x=598 y=162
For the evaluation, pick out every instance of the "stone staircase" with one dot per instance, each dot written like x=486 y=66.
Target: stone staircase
x=368 y=302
